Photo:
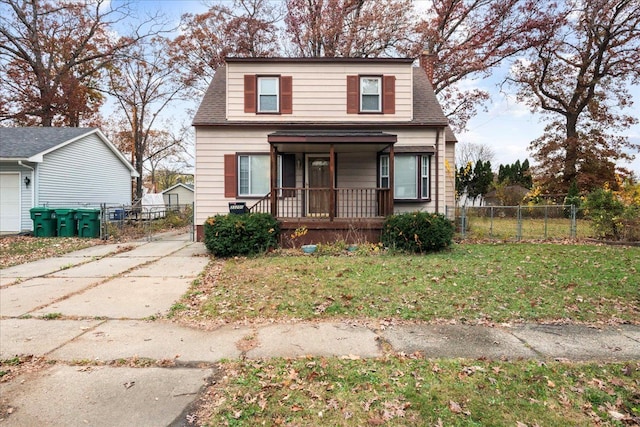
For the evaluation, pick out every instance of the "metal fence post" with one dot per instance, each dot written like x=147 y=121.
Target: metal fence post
x=574 y=225
x=463 y=222
x=546 y=219
x=519 y=224
x=491 y=223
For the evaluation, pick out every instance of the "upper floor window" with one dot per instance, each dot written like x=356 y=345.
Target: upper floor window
x=268 y=94
x=370 y=94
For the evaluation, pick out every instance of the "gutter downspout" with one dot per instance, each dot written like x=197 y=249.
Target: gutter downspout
x=437 y=171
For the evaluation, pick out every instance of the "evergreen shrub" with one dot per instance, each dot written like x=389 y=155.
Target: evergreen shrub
x=248 y=234
x=418 y=232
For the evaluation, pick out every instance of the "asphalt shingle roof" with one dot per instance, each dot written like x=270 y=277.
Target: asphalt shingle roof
x=25 y=142
x=426 y=108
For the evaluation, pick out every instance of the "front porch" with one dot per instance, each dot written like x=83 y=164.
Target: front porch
x=346 y=203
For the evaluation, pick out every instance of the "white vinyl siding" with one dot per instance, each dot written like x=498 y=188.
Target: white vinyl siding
x=314 y=102
x=83 y=173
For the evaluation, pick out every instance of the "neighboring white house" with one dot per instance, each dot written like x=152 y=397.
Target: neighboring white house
x=178 y=195
x=58 y=168
x=333 y=144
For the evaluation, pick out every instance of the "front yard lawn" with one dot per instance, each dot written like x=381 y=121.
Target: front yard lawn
x=475 y=283
x=16 y=250
x=412 y=391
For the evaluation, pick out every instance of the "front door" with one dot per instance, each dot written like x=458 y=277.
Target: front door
x=319 y=185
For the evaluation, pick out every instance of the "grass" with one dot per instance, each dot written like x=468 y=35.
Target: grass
x=471 y=282
x=16 y=250
x=412 y=391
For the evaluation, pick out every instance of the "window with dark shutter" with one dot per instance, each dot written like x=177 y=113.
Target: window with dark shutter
x=389 y=94
x=230 y=177
x=249 y=93
x=353 y=95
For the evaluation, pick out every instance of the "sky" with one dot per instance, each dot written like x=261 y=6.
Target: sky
x=507 y=127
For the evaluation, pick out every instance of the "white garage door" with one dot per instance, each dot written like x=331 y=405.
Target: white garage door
x=9 y=202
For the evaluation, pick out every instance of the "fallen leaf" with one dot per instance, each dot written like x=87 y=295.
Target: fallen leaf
x=455 y=407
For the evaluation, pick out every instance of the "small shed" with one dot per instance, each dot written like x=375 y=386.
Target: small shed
x=178 y=195
x=58 y=168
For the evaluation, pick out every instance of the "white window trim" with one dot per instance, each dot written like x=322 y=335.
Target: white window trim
x=379 y=94
x=425 y=189
x=277 y=94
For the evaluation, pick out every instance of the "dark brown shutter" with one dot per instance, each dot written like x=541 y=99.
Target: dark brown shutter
x=389 y=94
x=353 y=89
x=250 y=93
x=230 y=177
x=286 y=95
x=289 y=174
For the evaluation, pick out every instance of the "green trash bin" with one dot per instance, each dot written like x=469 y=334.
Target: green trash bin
x=88 y=222
x=44 y=222
x=67 y=224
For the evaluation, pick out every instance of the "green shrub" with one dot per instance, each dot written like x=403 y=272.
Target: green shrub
x=573 y=198
x=417 y=232
x=231 y=235
x=605 y=211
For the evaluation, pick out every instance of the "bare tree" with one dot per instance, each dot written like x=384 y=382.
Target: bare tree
x=53 y=58
x=144 y=83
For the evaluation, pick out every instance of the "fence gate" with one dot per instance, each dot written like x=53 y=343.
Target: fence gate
x=150 y=222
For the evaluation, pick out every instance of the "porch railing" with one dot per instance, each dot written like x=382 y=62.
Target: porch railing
x=318 y=203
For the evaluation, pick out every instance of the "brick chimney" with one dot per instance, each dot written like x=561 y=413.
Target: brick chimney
x=427 y=62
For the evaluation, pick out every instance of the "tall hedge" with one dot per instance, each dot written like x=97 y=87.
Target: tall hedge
x=248 y=234
x=418 y=232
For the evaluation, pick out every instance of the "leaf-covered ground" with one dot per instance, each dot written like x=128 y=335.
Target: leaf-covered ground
x=16 y=250
x=411 y=391
x=474 y=283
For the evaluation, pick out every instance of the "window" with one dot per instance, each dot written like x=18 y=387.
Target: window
x=268 y=94
x=384 y=172
x=406 y=183
x=370 y=94
x=249 y=175
x=424 y=177
x=253 y=175
x=411 y=179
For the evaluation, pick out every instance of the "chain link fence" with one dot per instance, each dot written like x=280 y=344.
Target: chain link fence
x=144 y=221
x=518 y=222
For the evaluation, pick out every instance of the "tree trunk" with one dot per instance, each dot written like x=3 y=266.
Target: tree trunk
x=571 y=152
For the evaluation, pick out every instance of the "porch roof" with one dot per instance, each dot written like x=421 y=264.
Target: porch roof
x=310 y=141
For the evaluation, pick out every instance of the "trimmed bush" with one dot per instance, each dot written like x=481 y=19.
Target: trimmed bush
x=231 y=235
x=418 y=232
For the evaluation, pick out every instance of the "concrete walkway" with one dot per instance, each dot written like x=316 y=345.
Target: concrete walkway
x=104 y=305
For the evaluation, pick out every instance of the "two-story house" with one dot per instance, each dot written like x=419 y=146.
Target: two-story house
x=332 y=144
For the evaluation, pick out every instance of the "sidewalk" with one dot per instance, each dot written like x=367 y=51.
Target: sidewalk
x=116 y=300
